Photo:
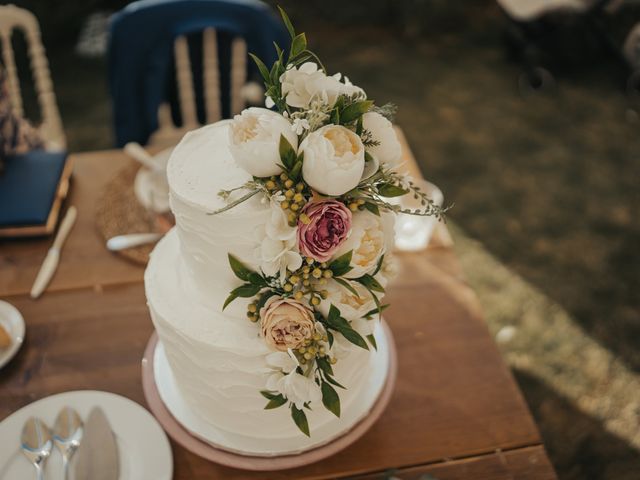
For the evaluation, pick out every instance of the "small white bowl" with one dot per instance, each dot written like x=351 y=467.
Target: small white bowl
x=12 y=321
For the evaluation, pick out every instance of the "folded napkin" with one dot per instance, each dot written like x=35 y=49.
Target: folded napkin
x=28 y=187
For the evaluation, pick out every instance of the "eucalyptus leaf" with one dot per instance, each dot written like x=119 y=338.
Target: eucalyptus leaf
x=300 y=419
x=390 y=190
x=330 y=399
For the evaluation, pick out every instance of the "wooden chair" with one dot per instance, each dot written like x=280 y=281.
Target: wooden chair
x=14 y=18
x=177 y=64
x=169 y=134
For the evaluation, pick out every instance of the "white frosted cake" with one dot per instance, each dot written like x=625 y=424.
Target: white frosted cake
x=267 y=295
x=217 y=358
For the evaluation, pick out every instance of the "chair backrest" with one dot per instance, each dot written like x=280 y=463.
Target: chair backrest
x=14 y=18
x=191 y=54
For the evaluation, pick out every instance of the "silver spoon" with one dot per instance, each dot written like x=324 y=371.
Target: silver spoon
x=67 y=433
x=36 y=444
x=122 y=242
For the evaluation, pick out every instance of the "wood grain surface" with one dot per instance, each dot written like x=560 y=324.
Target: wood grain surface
x=456 y=412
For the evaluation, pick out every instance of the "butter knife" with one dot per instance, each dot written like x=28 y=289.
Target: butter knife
x=98 y=452
x=50 y=263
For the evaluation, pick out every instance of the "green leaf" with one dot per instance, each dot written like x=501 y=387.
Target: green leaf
x=379 y=265
x=341 y=265
x=347 y=285
x=294 y=173
x=370 y=282
x=372 y=207
x=324 y=365
x=330 y=399
x=389 y=190
x=287 y=22
x=287 y=153
x=376 y=310
x=334 y=382
x=268 y=395
x=257 y=279
x=232 y=296
x=298 y=45
x=335 y=321
x=278 y=51
x=359 y=129
x=247 y=290
x=355 y=111
x=330 y=337
x=300 y=419
x=354 y=337
x=276 y=402
x=264 y=71
x=367 y=156
x=240 y=270
x=372 y=341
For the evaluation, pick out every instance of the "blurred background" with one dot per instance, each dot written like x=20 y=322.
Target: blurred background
x=530 y=124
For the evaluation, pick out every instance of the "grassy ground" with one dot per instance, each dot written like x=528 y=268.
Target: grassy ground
x=546 y=197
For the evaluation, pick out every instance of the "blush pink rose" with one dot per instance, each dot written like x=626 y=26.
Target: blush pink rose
x=328 y=225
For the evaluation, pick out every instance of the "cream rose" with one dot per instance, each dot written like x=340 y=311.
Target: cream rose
x=286 y=323
x=301 y=85
x=371 y=236
x=351 y=306
x=389 y=151
x=333 y=160
x=254 y=139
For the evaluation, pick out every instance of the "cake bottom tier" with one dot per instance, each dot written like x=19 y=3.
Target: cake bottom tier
x=212 y=367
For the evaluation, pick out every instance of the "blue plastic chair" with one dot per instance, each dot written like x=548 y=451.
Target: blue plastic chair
x=141 y=55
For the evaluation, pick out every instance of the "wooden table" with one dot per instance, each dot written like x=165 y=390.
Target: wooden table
x=456 y=412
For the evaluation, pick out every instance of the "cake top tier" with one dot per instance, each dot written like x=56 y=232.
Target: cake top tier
x=201 y=166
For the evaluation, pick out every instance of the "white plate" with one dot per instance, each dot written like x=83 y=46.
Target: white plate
x=151 y=188
x=12 y=321
x=144 y=451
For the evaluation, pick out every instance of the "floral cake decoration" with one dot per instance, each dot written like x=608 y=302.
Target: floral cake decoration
x=324 y=157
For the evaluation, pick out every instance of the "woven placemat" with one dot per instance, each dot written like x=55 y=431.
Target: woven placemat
x=119 y=212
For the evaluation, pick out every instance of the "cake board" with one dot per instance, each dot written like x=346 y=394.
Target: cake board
x=218 y=454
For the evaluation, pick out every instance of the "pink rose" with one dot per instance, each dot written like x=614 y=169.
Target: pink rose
x=326 y=225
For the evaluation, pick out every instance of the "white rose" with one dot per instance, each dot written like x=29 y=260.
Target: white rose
x=389 y=151
x=300 y=85
x=333 y=160
x=297 y=388
x=371 y=236
x=278 y=248
x=254 y=140
x=351 y=306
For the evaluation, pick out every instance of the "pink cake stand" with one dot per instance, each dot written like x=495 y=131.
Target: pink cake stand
x=218 y=455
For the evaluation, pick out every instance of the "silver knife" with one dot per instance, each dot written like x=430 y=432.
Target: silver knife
x=130 y=240
x=50 y=263
x=98 y=452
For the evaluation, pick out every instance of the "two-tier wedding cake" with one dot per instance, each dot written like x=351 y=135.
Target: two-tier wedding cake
x=267 y=294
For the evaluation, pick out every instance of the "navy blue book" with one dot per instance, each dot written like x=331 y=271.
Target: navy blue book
x=32 y=187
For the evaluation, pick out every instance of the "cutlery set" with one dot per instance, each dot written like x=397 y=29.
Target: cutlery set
x=97 y=457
